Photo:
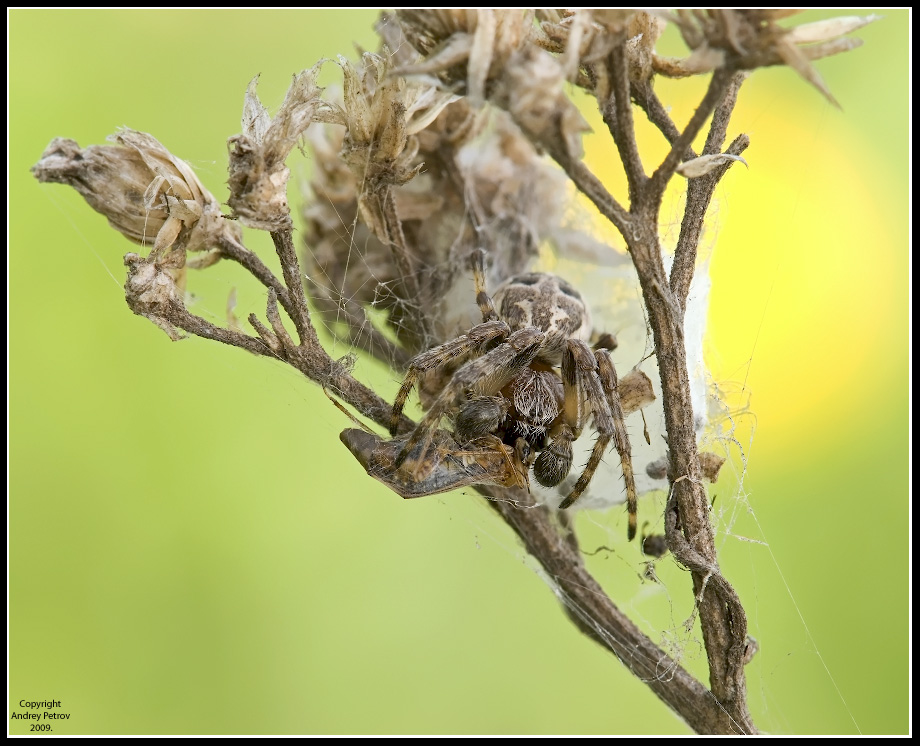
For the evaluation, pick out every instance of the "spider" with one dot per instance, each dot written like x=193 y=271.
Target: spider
x=530 y=382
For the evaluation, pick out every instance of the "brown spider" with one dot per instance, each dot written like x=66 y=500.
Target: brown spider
x=529 y=387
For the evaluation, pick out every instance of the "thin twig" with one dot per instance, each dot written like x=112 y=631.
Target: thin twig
x=644 y=95
x=251 y=262
x=589 y=185
x=620 y=116
x=700 y=191
x=699 y=195
x=659 y=180
x=290 y=269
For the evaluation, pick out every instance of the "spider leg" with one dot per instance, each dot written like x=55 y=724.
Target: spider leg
x=483 y=376
x=479 y=337
x=479 y=277
x=610 y=384
x=555 y=461
x=583 y=395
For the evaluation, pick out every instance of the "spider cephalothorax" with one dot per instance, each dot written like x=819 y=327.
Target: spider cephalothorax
x=548 y=303
x=529 y=386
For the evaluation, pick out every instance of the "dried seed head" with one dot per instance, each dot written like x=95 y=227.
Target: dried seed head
x=147 y=194
x=258 y=175
x=467 y=49
x=483 y=185
x=494 y=55
x=751 y=38
x=382 y=115
x=533 y=93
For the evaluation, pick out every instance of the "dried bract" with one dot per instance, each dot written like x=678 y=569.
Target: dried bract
x=467 y=49
x=482 y=185
x=383 y=113
x=495 y=56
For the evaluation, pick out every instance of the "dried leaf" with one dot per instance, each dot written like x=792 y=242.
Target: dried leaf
x=706 y=164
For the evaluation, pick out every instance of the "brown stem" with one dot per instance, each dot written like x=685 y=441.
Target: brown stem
x=659 y=180
x=588 y=184
x=699 y=195
x=618 y=115
x=597 y=616
x=290 y=269
x=700 y=191
x=251 y=262
x=644 y=95
x=721 y=616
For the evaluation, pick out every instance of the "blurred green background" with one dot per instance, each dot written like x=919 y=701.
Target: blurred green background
x=193 y=551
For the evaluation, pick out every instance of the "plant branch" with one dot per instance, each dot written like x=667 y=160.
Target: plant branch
x=588 y=184
x=251 y=262
x=700 y=191
x=699 y=195
x=646 y=98
x=718 y=85
x=723 y=625
x=598 y=617
x=290 y=269
x=617 y=113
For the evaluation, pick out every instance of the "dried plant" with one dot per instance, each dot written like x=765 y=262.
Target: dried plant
x=461 y=135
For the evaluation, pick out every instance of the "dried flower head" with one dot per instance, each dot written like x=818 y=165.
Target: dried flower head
x=491 y=55
x=258 y=174
x=383 y=114
x=750 y=38
x=147 y=193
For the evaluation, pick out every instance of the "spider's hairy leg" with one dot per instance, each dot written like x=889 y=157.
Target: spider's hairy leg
x=610 y=384
x=580 y=363
x=478 y=338
x=483 y=376
x=554 y=462
x=479 y=277
x=603 y=422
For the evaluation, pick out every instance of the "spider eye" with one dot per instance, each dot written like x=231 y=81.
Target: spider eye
x=530 y=279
